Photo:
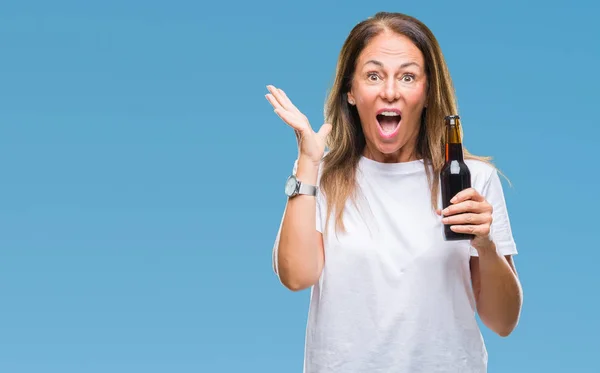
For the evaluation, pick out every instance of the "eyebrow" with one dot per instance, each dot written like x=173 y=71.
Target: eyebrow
x=379 y=63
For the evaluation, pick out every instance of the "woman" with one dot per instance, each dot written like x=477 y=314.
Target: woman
x=389 y=294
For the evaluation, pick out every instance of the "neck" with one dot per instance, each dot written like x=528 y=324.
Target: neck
x=406 y=153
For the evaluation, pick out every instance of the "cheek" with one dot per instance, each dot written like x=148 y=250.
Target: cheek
x=419 y=96
x=365 y=95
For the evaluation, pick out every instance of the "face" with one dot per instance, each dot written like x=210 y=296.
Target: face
x=389 y=90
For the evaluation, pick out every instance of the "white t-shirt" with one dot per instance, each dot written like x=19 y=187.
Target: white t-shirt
x=394 y=296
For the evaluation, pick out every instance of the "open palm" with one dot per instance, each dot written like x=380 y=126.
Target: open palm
x=311 y=144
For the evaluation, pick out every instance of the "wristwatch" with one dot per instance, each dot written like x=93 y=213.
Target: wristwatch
x=293 y=187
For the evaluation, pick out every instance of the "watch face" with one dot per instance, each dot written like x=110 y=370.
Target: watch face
x=290 y=186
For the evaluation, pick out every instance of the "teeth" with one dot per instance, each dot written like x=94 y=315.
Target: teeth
x=389 y=114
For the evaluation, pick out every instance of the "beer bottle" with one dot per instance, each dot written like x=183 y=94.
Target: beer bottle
x=455 y=175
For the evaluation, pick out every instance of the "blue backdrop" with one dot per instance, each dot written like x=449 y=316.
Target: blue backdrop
x=143 y=171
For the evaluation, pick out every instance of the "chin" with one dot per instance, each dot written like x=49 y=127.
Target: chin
x=384 y=147
x=389 y=148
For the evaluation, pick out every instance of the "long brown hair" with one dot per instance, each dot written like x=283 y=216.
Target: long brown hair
x=346 y=141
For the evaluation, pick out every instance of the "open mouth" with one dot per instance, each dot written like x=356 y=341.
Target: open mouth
x=388 y=121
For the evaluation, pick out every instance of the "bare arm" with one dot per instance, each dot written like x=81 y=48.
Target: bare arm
x=497 y=289
x=299 y=251
x=496 y=286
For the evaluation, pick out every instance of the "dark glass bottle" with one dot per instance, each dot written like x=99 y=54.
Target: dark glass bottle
x=455 y=175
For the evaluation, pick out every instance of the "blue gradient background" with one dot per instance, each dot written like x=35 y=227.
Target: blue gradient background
x=143 y=171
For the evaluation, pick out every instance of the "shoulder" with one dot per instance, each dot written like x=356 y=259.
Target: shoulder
x=482 y=172
x=479 y=167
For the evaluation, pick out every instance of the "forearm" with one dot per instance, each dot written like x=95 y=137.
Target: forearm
x=500 y=293
x=299 y=255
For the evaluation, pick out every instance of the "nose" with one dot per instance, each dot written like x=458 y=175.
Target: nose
x=390 y=91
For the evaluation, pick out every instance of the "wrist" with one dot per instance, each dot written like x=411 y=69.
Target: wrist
x=485 y=247
x=307 y=171
x=308 y=161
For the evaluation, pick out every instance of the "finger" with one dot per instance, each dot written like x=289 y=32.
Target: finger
x=469 y=193
x=281 y=98
x=291 y=120
x=478 y=230
x=274 y=97
x=438 y=211
x=286 y=102
x=467 y=219
x=467 y=206
x=325 y=130
x=273 y=101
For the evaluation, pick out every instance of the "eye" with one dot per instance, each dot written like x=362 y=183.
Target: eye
x=408 y=78
x=372 y=76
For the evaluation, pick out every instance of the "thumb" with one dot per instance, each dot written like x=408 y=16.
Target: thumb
x=325 y=130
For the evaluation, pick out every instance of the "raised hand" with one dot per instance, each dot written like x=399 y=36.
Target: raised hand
x=311 y=145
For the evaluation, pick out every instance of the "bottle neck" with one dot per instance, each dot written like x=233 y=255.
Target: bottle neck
x=454 y=149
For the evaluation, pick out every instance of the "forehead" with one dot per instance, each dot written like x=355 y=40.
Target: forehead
x=390 y=48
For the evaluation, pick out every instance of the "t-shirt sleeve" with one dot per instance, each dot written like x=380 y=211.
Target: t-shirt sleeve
x=500 y=231
x=318 y=225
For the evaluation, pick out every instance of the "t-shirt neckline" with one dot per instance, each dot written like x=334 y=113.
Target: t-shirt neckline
x=395 y=168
